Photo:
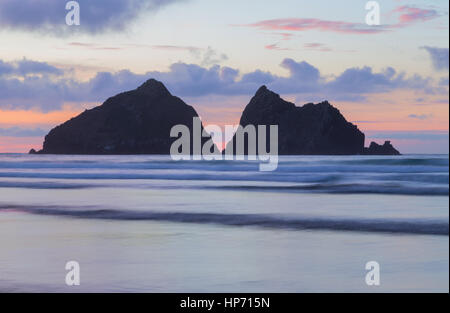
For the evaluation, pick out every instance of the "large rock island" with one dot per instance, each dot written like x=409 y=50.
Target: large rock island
x=313 y=129
x=133 y=122
x=140 y=121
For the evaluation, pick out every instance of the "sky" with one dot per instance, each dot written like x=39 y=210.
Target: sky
x=389 y=79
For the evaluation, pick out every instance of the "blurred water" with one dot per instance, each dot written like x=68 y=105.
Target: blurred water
x=146 y=223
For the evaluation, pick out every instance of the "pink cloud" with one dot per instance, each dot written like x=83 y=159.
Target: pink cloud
x=316 y=46
x=275 y=47
x=176 y=48
x=304 y=24
x=406 y=15
x=285 y=36
x=410 y=14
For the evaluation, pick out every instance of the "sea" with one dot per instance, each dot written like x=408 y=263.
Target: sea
x=151 y=224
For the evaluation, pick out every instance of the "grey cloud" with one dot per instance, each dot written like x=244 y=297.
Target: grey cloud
x=443 y=82
x=439 y=57
x=409 y=135
x=96 y=16
x=22 y=132
x=190 y=80
x=211 y=57
x=420 y=116
x=26 y=67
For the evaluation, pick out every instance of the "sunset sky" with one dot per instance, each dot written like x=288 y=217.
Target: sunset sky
x=391 y=80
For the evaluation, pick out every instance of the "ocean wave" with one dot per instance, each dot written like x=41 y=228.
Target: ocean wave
x=330 y=186
x=411 y=175
x=45 y=185
x=326 y=175
x=392 y=189
x=402 y=161
x=403 y=226
x=164 y=162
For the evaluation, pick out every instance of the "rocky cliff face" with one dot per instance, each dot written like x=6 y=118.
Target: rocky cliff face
x=313 y=129
x=133 y=122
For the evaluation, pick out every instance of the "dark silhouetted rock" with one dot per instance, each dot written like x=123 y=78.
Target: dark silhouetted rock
x=32 y=151
x=315 y=129
x=385 y=149
x=133 y=122
x=139 y=122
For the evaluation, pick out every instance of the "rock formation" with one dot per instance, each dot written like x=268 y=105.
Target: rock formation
x=140 y=121
x=314 y=129
x=133 y=122
x=386 y=149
